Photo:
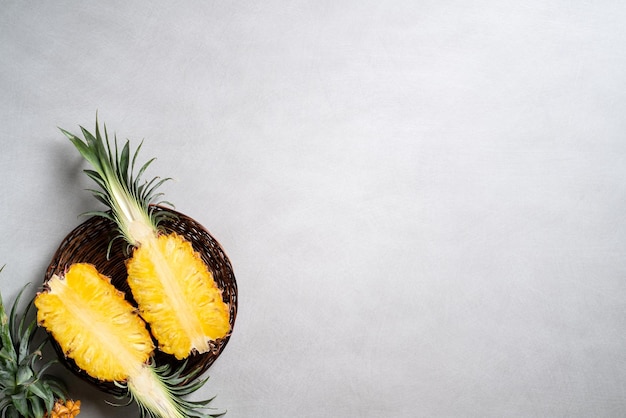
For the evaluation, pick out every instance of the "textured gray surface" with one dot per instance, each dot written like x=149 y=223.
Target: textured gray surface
x=423 y=201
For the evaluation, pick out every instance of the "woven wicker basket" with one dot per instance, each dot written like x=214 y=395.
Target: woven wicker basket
x=88 y=243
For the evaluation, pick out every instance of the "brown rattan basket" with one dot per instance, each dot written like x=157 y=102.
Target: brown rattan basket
x=88 y=243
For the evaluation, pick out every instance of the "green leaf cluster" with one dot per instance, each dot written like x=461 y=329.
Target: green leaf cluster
x=177 y=385
x=25 y=389
x=124 y=192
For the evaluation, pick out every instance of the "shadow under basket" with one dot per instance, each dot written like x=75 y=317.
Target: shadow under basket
x=88 y=243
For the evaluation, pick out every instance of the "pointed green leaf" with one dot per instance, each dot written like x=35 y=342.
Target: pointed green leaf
x=37 y=407
x=42 y=391
x=24 y=374
x=21 y=404
x=145 y=166
x=124 y=162
x=12 y=412
x=25 y=340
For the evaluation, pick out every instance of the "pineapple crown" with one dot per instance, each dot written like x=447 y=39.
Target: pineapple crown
x=25 y=390
x=177 y=385
x=130 y=199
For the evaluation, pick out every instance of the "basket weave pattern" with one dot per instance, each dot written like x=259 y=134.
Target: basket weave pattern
x=88 y=243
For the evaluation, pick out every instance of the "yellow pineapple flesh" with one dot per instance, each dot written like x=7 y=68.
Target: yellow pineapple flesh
x=94 y=324
x=177 y=295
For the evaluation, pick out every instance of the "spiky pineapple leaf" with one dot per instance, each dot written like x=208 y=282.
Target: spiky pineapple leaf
x=36 y=406
x=8 y=349
x=20 y=403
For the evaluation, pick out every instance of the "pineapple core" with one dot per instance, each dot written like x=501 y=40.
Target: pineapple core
x=93 y=323
x=177 y=295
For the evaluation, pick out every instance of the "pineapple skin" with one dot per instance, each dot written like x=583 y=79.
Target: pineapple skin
x=64 y=409
x=93 y=323
x=177 y=295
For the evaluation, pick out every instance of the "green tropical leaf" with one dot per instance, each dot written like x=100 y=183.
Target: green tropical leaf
x=21 y=404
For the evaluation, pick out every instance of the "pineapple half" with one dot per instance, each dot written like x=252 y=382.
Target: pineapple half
x=174 y=289
x=100 y=330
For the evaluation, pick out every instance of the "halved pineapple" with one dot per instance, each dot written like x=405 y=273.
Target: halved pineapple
x=194 y=312
x=96 y=327
x=175 y=291
x=94 y=324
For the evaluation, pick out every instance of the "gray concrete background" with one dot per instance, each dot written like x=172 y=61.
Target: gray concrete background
x=423 y=200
